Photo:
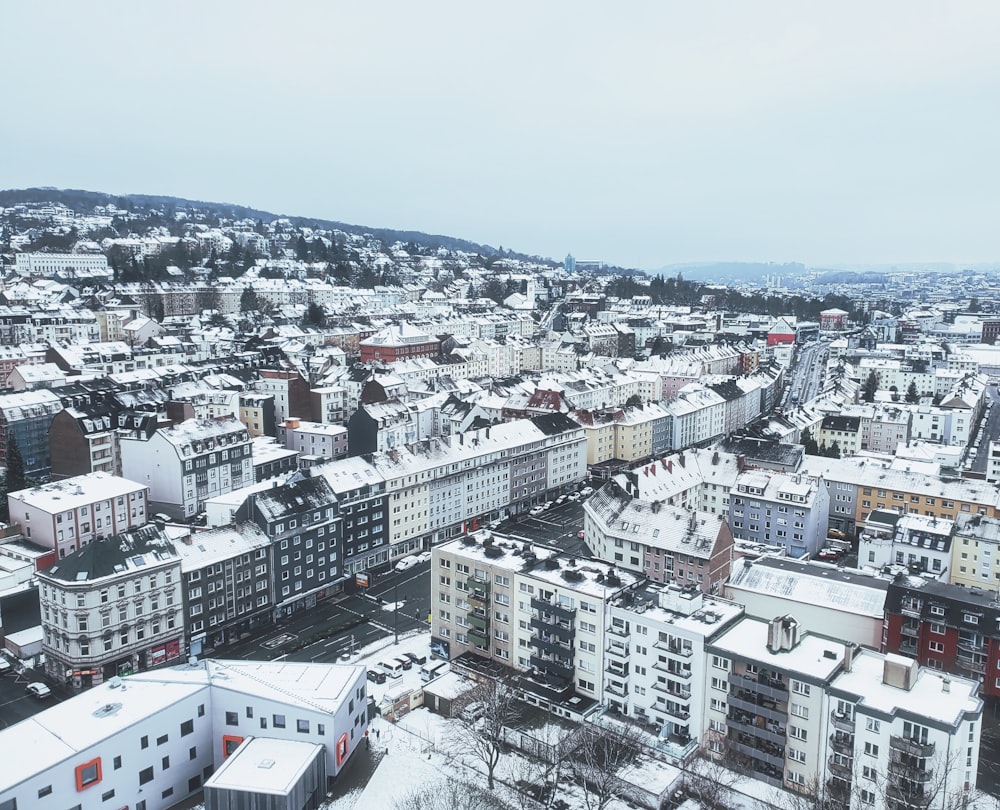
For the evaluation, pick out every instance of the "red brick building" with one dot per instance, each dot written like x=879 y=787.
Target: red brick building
x=402 y=342
x=945 y=627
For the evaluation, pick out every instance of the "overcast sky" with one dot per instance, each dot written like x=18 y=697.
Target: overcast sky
x=640 y=134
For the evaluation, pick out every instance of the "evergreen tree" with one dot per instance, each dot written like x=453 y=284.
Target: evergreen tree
x=315 y=316
x=15 y=465
x=871 y=386
x=809 y=443
x=248 y=300
x=912 y=395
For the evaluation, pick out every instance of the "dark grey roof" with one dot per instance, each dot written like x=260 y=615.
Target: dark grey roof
x=101 y=558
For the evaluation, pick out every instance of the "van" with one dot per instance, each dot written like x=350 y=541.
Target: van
x=392 y=668
x=433 y=669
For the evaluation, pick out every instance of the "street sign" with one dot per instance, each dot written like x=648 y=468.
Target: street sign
x=361 y=580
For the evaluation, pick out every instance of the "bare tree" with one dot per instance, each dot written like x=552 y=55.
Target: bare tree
x=599 y=758
x=547 y=751
x=710 y=780
x=450 y=794
x=483 y=718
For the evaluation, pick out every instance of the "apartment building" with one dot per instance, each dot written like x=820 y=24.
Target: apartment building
x=698 y=414
x=360 y=492
x=899 y=736
x=662 y=541
x=84 y=440
x=303 y=522
x=151 y=741
x=654 y=658
x=187 y=464
x=228 y=584
x=257 y=413
x=316 y=439
x=945 y=627
x=780 y=510
x=975 y=552
x=532 y=608
x=66 y=515
x=438 y=488
x=25 y=418
x=113 y=607
x=290 y=393
x=922 y=544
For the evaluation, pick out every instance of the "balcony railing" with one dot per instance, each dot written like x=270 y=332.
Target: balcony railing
x=552 y=667
x=616 y=669
x=842 y=722
x=775 y=757
x=479 y=622
x=553 y=608
x=842 y=743
x=673 y=691
x=551 y=645
x=773 y=733
x=975 y=664
x=617 y=689
x=901 y=770
x=616 y=630
x=672 y=670
x=616 y=650
x=840 y=769
x=911 y=747
x=768 y=687
x=746 y=702
x=673 y=648
x=910 y=629
x=910 y=609
x=561 y=631
x=908 y=647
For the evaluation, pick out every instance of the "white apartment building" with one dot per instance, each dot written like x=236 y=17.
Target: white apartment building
x=535 y=609
x=187 y=464
x=112 y=608
x=439 y=488
x=66 y=515
x=654 y=660
x=900 y=735
x=698 y=414
x=316 y=438
x=49 y=265
x=150 y=741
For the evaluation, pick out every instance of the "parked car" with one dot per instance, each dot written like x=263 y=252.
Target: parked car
x=830 y=554
x=38 y=690
x=416 y=658
x=472 y=712
x=423 y=556
x=574 y=496
x=5 y=666
x=837 y=534
x=376 y=676
x=406 y=563
x=535 y=511
x=586 y=492
x=403 y=661
x=561 y=500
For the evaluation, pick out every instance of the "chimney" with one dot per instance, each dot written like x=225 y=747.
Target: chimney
x=848 y=656
x=946 y=685
x=782 y=634
x=680 y=458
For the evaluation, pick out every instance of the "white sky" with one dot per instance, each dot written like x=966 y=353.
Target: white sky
x=638 y=133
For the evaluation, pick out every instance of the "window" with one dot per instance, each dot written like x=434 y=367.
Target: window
x=871 y=724
x=278 y=720
x=799 y=710
x=162 y=740
x=871 y=749
x=796 y=756
x=165 y=763
x=144 y=741
x=187 y=727
x=232 y=719
x=797 y=733
x=87 y=774
x=117 y=762
x=719 y=662
x=193 y=752
x=168 y=792
x=108 y=795
x=146 y=775
x=44 y=791
x=935 y=646
x=800 y=688
x=302 y=726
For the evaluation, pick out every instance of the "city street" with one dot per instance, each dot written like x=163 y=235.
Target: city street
x=988 y=431
x=558 y=526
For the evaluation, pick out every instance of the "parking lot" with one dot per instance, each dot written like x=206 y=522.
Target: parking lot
x=557 y=526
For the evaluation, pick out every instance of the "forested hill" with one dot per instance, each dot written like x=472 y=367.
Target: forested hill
x=83 y=201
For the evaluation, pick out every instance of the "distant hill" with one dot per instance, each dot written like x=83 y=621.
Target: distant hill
x=83 y=201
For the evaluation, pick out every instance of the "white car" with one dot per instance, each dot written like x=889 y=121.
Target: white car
x=406 y=563
x=5 y=666
x=423 y=556
x=38 y=690
x=536 y=511
x=586 y=492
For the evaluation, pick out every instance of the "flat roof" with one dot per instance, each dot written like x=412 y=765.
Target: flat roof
x=814 y=656
x=265 y=765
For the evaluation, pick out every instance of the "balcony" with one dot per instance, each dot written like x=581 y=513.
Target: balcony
x=672 y=670
x=772 y=688
x=911 y=747
x=842 y=743
x=552 y=667
x=972 y=645
x=480 y=622
x=908 y=647
x=773 y=733
x=617 y=669
x=619 y=689
x=673 y=648
x=910 y=608
x=911 y=629
x=561 y=612
x=616 y=650
x=972 y=663
x=908 y=772
x=479 y=598
x=771 y=755
x=561 y=631
x=839 y=769
x=748 y=702
x=479 y=584
x=613 y=629
x=677 y=712
x=674 y=691
x=841 y=722
x=552 y=646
